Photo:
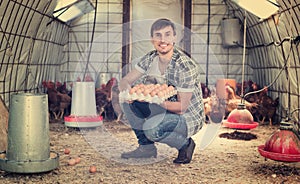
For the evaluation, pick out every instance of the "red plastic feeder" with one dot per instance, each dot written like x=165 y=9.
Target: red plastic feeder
x=283 y=145
x=240 y=118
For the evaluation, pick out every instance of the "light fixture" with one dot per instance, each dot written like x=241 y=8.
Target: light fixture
x=261 y=8
x=68 y=10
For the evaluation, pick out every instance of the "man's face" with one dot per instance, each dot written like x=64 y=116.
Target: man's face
x=163 y=40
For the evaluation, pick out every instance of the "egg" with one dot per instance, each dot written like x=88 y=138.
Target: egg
x=146 y=92
x=67 y=151
x=153 y=93
x=160 y=94
x=77 y=160
x=164 y=86
x=138 y=91
x=171 y=88
x=156 y=86
x=71 y=162
x=93 y=169
x=132 y=90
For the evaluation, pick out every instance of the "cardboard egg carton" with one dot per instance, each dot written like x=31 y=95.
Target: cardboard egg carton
x=152 y=93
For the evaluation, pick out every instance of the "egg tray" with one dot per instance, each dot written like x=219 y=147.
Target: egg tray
x=126 y=96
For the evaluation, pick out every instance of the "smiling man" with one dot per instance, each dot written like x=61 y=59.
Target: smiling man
x=174 y=121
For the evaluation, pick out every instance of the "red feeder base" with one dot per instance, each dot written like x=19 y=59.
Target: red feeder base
x=241 y=126
x=83 y=121
x=278 y=156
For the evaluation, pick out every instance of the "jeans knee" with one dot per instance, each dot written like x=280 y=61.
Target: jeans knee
x=152 y=135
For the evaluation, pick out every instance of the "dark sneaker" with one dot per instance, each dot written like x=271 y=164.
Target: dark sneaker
x=143 y=151
x=185 y=154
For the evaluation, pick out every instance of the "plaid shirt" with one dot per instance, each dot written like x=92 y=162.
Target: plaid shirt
x=182 y=73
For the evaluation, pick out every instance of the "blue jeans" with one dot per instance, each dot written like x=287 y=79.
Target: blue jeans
x=152 y=123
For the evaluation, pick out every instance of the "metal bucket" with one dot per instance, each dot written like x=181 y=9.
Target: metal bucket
x=28 y=149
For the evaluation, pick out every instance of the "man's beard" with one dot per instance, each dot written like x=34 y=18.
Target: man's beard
x=165 y=52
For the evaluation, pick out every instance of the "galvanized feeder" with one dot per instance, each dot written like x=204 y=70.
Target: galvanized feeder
x=28 y=147
x=83 y=108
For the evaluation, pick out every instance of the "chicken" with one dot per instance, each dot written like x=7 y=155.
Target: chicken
x=116 y=103
x=252 y=96
x=214 y=107
x=57 y=101
x=62 y=88
x=53 y=102
x=205 y=91
x=232 y=101
x=64 y=103
x=246 y=87
x=266 y=107
x=104 y=95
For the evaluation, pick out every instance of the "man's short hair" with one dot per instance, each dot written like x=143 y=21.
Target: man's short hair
x=160 y=24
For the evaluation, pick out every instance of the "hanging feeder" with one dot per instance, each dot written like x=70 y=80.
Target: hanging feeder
x=28 y=136
x=240 y=118
x=83 y=108
x=284 y=144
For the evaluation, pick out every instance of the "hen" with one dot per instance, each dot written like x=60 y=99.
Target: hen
x=214 y=107
x=57 y=101
x=266 y=107
x=232 y=101
x=205 y=91
x=104 y=96
x=53 y=101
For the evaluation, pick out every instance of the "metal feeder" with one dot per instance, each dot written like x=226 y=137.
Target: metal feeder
x=83 y=108
x=28 y=149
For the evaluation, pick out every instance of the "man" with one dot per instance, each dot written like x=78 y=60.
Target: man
x=175 y=120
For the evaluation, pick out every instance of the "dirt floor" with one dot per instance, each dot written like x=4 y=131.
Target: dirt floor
x=216 y=159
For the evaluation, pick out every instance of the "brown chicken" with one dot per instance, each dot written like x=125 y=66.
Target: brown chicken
x=246 y=87
x=214 y=107
x=65 y=103
x=104 y=96
x=205 y=91
x=61 y=87
x=252 y=96
x=232 y=101
x=266 y=107
x=57 y=102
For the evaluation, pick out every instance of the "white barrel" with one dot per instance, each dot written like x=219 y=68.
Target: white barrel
x=83 y=99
